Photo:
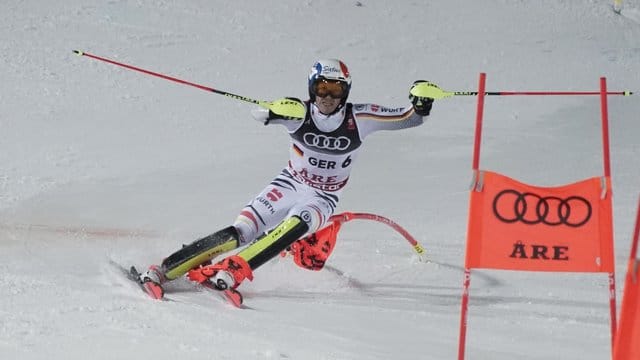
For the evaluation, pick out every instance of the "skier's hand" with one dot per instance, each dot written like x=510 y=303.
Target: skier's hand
x=419 y=96
x=287 y=108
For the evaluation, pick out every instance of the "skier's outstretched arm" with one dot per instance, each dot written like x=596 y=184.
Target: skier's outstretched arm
x=372 y=117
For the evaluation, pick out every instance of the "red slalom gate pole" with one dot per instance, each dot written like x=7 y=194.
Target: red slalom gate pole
x=348 y=216
x=466 y=282
x=636 y=236
x=626 y=342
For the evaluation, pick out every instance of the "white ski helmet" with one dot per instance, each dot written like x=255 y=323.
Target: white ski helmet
x=329 y=69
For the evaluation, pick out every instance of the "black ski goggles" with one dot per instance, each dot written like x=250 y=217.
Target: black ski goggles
x=334 y=88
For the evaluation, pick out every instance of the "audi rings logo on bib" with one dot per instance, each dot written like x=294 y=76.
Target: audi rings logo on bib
x=511 y=206
x=326 y=142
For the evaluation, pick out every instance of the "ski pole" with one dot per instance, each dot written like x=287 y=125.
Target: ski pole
x=299 y=112
x=436 y=92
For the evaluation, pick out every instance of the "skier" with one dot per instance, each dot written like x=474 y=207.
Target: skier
x=326 y=134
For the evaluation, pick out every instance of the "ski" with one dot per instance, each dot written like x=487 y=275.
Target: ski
x=232 y=296
x=154 y=290
x=150 y=288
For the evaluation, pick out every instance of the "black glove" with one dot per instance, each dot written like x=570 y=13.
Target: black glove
x=421 y=104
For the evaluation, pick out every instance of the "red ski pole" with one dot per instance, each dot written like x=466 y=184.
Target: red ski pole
x=298 y=112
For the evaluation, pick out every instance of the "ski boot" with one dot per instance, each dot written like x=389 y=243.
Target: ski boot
x=226 y=274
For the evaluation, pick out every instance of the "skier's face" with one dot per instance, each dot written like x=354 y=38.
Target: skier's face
x=329 y=94
x=334 y=88
x=327 y=104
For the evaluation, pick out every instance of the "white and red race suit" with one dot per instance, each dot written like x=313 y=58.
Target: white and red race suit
x=323 y=151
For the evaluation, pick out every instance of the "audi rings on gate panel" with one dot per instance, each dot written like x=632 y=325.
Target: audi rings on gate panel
x=531 y=209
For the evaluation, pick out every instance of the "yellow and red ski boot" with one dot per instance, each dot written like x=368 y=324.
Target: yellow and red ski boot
x=224 y=276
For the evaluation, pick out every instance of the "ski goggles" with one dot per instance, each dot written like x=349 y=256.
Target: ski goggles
x=334 y=88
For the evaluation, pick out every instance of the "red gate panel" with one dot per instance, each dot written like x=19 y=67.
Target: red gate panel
x=515 y=226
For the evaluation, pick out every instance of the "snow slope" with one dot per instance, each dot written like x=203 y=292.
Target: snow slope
x=100 y=164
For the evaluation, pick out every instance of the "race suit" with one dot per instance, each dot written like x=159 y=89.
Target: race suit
x=322 y=153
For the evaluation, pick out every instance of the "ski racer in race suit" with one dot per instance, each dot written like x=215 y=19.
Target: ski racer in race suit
x=324 y=147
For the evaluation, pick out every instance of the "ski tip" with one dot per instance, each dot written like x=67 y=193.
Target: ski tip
x=234 y=297
x=153 y=290
x=78 y=52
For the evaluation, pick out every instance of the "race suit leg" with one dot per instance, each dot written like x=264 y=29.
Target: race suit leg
x=284 y=197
